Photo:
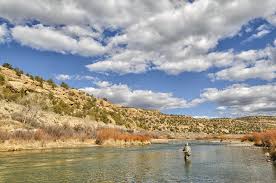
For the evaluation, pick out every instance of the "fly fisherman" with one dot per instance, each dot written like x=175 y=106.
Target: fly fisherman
x=187 y=151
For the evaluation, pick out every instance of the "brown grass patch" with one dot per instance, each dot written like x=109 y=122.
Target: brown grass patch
x=50 y=133
x=266 y=138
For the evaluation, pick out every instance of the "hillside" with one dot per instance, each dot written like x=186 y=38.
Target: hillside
x=29 y=102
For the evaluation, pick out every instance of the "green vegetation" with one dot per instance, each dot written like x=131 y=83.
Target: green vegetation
x=51 y=83
x=2 y=79
x=64 y=85
x=39 y=79
x=18 y=72
x=61 y=107
x=10 y=94
x=7 y=65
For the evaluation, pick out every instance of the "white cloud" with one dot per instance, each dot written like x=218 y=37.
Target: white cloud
x=242 y=99
x=80 y=31
x=261 y=33
x=123 y=63
x=237 y=99
x=261 y=70
x=85 y=12
x=169 y=35
x=49 y=38
x=3 y=33
x=64 y=77
x=122 y=94
x=262 y=30
x=251 y=64
x=184 y=45
x=272 y=19
x=204 y=117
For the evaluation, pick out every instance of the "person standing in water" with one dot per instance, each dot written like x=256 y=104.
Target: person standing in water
x=187 y=151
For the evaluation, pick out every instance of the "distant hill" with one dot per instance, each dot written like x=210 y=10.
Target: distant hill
x=28 y=101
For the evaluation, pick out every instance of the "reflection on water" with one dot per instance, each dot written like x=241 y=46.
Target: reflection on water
x=155 y=163
x=188 y=164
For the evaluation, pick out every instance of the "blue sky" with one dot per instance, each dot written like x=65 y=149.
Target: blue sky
x=200 y=58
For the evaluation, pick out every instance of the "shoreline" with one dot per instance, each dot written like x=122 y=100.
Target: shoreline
x=21 y=145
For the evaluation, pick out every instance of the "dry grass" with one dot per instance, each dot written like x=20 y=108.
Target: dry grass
x=65 y=132
x=266 y=138
x=104 y=134
x=220 y=137
x=50 y=133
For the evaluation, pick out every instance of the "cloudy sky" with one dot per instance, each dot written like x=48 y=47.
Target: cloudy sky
x=202 y=58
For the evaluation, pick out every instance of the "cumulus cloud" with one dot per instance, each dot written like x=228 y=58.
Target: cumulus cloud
x=251 y=64
x=241 y=99
x=236 y=100
x=122 y=94
x=86 y=12
x=184 y=45
x=48 y=38
x=3 y=33
x=169 y=35
x=63 y=77
x=123 y=63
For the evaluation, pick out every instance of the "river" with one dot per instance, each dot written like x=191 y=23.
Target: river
x=210 y=162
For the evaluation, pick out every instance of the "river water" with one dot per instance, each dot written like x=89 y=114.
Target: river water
x=210 y=162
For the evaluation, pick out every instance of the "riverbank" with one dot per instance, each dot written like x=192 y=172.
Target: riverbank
x=67 y=137
x=114 y=137
x=19 y=145
x=265 y=139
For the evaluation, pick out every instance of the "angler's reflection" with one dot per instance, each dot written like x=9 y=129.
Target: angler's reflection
x=187 y=165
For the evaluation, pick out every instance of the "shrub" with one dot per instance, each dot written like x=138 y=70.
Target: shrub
x=7 y=65
x=4 y=135
x=51 y=96
x=89 y=104
x=55 y=132
x=117 y=118
x=2 y=79
x=266 y=138
x=25 y=118
x=39 y=79
x=31 y=77
x=51 y=83
x=61 y=107
x=40 y=134
x=23 y=135
x=9 y=94
x=104 y=134
x=64 y=85
x=18 y=72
